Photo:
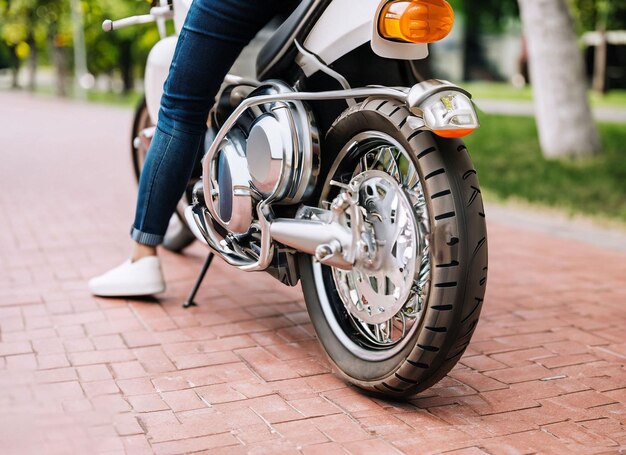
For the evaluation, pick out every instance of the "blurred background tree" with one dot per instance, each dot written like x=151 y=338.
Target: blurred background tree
x=28 y=27
x=38 y=32
x=124 y=51
x=607 y=14
x=602 y=16
x=481 y=17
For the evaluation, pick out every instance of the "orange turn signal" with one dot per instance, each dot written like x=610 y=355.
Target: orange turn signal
x=416 y=21
x=454 y=134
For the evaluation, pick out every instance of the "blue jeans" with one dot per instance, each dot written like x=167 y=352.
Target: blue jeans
x=214 y=34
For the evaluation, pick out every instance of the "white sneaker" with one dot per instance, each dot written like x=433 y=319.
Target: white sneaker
x=131 y=279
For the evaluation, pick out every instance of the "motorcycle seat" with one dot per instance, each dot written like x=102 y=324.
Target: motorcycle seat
x=278 y=53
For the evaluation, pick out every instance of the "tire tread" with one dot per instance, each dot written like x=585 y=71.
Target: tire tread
x=449 y=322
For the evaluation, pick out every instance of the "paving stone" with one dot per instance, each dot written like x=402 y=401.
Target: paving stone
x=96 y=388
x=256 y=434
x=266 y=365
x=482 y=363
x=219 y=393
x=328 y=448
x=56 y=375
x=16 y=347
x=242 y=372
x=370 y=446
x=128 y=370
x=352 y=401
x=194 y=444
x=148 y=403
x=584 y=400
x=340 y=428
x=137 y=386
x=617 y=395
x=21 y=362
x=313 y=407
x=526 y=442
x=467 y=451
x=571 y=432
x=183 y=400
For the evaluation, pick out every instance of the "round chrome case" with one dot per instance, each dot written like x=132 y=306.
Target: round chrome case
x=283 y=148
x=266 y=151
x=231 y=200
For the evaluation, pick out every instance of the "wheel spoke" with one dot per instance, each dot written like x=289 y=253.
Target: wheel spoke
x=376 y=299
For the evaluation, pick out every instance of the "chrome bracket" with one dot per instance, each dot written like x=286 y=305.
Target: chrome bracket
x=339 y=237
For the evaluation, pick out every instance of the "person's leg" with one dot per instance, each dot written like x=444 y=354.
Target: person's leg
x=214 y=34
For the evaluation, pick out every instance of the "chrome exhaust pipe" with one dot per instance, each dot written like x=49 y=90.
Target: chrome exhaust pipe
x=325 y=241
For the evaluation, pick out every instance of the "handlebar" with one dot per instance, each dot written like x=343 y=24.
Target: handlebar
x=157 y=12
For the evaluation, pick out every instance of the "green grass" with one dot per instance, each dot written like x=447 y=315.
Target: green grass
x=131 y=99
x=504 y=91
x=507 y=156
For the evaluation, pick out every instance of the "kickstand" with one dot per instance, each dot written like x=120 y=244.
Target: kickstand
x=189 y=302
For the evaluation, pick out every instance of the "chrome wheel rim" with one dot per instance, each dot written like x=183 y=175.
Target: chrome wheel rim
x=375 y=312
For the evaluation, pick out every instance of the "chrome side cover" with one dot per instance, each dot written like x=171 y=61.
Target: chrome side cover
x=232 y=196
x=283 y=148
x=277 y=160
x=266 y=150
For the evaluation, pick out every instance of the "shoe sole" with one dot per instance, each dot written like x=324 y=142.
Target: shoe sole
x=144 y=291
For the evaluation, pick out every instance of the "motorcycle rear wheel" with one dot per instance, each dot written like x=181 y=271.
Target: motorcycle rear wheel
x=178 y=236
x=447 y=249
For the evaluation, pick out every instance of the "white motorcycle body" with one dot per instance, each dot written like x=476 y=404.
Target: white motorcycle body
x=341 y=29
x=361 y=193
x=157 y=69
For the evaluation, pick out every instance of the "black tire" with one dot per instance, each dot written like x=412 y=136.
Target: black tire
x=178 y=235
x=458 y=258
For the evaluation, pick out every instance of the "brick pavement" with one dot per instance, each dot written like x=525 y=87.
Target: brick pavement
x=243 y=373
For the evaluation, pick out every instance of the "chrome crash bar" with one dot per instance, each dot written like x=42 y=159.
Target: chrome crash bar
x=284 y=231
x=202 y=217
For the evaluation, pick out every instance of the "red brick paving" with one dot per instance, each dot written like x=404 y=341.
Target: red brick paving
x=242 y=372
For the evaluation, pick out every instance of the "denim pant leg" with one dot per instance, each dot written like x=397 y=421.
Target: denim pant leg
x=214 y=33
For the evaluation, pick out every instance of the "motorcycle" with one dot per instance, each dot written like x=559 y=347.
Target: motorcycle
x=338 y=168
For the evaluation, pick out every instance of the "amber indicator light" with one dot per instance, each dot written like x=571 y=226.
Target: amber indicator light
x=416 y=21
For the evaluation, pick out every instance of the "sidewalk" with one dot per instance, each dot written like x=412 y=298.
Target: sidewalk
x=527 y=109
x=243 y=372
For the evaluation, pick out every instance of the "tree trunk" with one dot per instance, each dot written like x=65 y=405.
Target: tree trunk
x=126 y=66
x=32 y=63
x=15 y=68
x=58 y=58
x=600 y=51
x=599 y=65
x=61 y=76
x=564 y=120
x=15 y=77
x=472 y=51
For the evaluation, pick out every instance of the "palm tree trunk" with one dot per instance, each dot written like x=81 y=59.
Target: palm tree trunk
x=564 y=119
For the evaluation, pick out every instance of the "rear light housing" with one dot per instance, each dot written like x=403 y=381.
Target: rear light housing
x=447 y=110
